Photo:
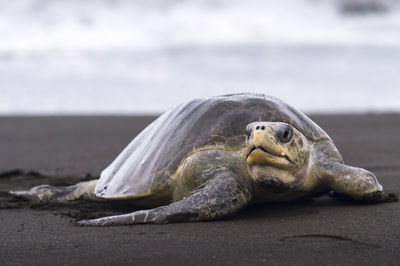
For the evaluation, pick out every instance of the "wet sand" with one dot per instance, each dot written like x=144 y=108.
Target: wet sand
x=64 y=150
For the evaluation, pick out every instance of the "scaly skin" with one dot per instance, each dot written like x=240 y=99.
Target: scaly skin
x=47 y=193
x=223 y=194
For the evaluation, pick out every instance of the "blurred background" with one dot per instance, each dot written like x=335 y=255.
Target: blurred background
x=144 y=56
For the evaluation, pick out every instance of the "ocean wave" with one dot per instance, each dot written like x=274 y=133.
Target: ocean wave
x=40 y=25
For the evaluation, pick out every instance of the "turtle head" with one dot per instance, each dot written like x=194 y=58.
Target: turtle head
x=277 y=155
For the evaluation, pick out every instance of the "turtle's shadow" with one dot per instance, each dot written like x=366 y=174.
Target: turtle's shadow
x=294 y=208
x=80 y=209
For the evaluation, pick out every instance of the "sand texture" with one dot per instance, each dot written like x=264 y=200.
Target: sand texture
x=65 y=150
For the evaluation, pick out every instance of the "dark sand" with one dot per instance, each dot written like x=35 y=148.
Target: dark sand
x=64 y=150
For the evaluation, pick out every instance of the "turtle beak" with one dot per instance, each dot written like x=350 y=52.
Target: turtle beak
x=263 y=147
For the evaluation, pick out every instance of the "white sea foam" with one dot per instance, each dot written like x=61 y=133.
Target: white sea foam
x=27 y=25
x=123 y=56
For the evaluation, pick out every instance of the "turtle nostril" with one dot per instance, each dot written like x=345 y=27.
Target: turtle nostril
x=263 y=127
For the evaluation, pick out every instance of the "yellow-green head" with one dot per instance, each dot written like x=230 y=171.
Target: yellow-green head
x=277 y=155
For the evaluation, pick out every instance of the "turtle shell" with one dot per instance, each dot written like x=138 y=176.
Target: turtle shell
x=152 y=158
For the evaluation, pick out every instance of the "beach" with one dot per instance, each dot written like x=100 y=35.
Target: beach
x=62 y=150
x=80 y=79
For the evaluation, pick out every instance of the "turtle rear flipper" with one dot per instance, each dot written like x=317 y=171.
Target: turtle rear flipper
x=221 y=196
x=47 y=193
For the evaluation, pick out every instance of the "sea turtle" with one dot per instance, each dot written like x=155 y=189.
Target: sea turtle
x=211 y=157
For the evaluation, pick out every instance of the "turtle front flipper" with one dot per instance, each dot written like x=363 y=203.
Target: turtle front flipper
x=47 y=193
x=222 y=195
x=357 y=183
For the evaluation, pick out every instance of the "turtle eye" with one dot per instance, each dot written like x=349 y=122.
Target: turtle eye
x=284 y=133
x=249 y=129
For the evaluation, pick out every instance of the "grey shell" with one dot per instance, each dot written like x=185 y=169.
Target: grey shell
x=152 y=158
